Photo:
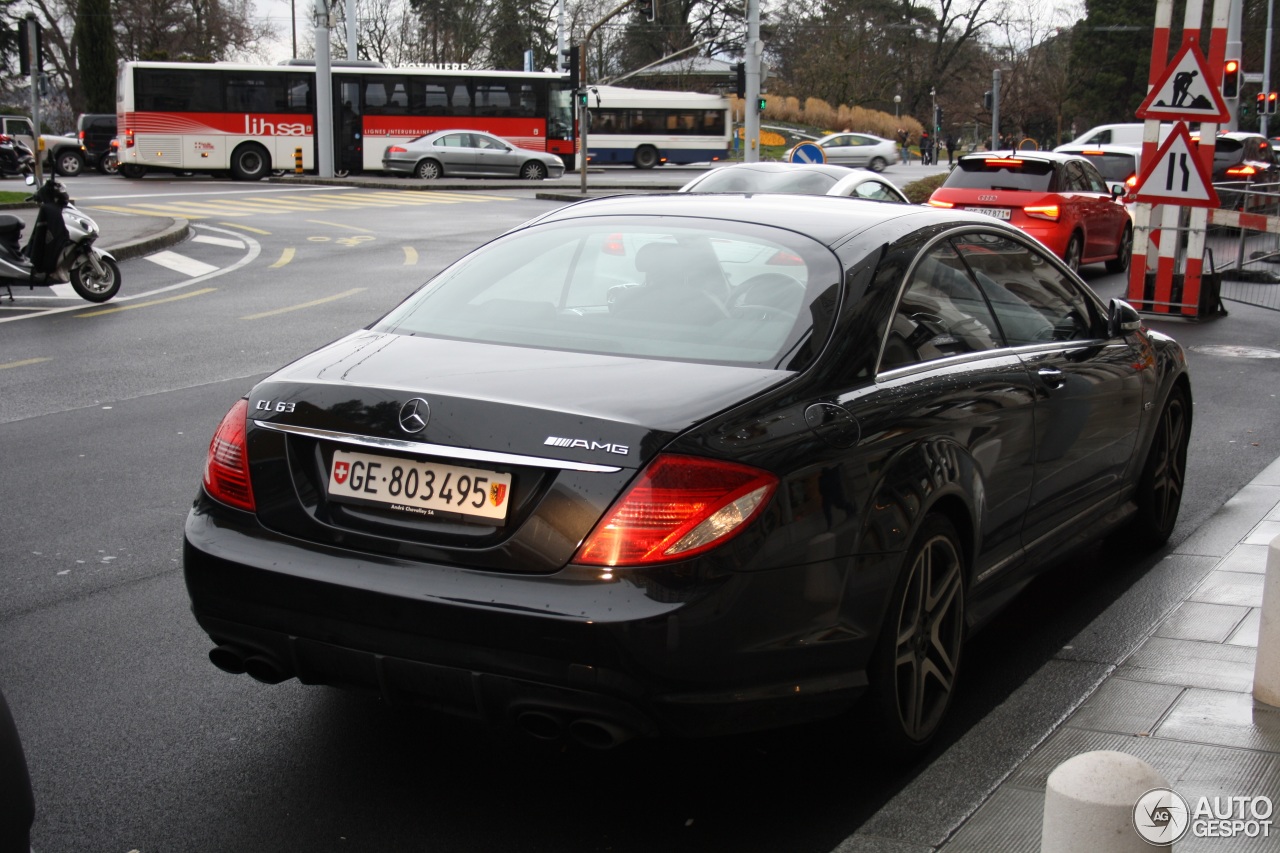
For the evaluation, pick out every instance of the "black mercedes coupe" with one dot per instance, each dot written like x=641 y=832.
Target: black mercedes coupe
x=686 y=465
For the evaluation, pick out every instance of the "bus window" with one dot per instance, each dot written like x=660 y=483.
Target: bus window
x=255 y=94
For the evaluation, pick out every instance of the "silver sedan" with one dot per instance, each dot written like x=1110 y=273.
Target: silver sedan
x=807 y=179
x=468 y=153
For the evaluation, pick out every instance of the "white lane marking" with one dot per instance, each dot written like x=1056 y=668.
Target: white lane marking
x=218 y=241
x=181 y=263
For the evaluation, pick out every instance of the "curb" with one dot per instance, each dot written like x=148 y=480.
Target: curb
x=177 y=231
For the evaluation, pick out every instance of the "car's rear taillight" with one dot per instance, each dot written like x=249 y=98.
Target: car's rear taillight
x=678 y=507
x=397 y=149
x=128 y=137
x=946 y=205
x=226 y=469
x=1043 y=211
x=1245 y=171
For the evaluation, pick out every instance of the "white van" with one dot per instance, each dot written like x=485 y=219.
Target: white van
x=1115 y=134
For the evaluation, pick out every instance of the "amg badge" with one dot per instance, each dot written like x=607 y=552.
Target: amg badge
x=555 y=441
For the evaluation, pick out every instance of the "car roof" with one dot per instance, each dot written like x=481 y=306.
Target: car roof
x=850 y=133
x=773 y=166
x=831 y=220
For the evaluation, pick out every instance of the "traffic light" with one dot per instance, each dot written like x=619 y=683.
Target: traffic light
x=740 y=83
x=572 y=61
x=937 y=119
x=648 y=8
x=1231 y=79
x=582 y=98
x=762 y=103
x=1271 y=104
x=986 y=100
x=1262 y=105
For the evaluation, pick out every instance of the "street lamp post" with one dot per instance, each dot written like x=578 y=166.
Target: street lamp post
x=897 y=99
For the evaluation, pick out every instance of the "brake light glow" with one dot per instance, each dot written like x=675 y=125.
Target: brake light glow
x=1003 y=161
x=782 y=258
x=397 y=149
x=943 y=204
x=1245 y=171
x=226 y=468
x=614 y=245
x=679 y=506
x=1094 y=153
x=128 y=137
x=1043 y=211
x=1131 y=182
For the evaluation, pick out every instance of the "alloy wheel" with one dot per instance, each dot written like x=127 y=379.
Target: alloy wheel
x=930 y=631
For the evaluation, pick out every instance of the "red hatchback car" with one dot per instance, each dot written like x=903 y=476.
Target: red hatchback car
x=1060 y=199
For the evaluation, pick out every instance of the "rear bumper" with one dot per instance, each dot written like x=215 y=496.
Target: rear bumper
x=656 y=655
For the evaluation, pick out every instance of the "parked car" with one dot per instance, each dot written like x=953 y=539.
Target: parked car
x=858 y=149
x=1060 y=199
x=1119 y=165
x=468 y=153
x=97 y=131
x=1116 y=134
x=686 y=464
x=812 y=179
x=61 y=153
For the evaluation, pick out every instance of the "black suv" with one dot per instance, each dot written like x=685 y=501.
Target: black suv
x=96 y=132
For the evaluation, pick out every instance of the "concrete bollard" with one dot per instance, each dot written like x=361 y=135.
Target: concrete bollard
x=1089 y=804
x=1266 y=668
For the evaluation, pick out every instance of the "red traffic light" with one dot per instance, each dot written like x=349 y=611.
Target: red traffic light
x=1231 y=79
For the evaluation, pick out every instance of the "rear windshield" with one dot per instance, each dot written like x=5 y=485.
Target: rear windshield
x=651 y=287
x=1001 y=173
x=1114 y=167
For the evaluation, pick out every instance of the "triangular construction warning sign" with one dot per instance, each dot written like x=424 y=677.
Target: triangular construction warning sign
x=1186 y=91
x=1177 y=175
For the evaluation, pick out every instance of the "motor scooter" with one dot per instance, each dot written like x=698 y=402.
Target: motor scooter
x=60 y=248
x=15 y=158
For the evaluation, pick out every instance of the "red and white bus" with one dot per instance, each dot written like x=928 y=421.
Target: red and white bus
x=248 y=120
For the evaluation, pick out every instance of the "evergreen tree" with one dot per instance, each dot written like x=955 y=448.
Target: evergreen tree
x=96 y=55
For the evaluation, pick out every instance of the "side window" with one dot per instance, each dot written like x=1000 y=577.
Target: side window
x=941 y=313
x=1034 y=301
x=1095 y=182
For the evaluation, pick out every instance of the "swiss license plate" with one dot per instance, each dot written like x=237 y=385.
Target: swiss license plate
x=997 y=212
x=420 y=488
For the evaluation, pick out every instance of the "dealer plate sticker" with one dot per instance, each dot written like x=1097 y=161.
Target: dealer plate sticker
x=422 y=488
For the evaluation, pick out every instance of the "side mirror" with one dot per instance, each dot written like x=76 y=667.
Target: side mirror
x=1122 y=319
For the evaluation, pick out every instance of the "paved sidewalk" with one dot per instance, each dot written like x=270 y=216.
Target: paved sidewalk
x=1181 y=700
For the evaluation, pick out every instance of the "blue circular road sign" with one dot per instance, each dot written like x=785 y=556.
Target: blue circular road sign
x=808 y=152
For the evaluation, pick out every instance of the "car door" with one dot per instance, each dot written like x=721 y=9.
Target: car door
x=948 y=388
x=1105 y=217
x=1089 y=387
x=838 y=150
x=457 y=154
x=494 y=157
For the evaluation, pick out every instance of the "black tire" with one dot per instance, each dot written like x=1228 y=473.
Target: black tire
x=646 y=157
x=1163 y=475
x=1121 y=263
x=533 y=171
x=250 y=162
x=877 y=164
x=108 y=164
x=914 y=668
x=92 y=287
x=68 y=163
x=1074 y=252
x=428 y=170
x=132 y=171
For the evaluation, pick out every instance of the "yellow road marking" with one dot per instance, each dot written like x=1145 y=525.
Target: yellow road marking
x=23 y=363
x=343 y=295
x=340 y=225
x=133 y=305
x=285 y=257
x=410 y=256
x=244 y=227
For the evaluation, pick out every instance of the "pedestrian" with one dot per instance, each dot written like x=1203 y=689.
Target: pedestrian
x=924 y=148
x=951 y=149
x=903 y=137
